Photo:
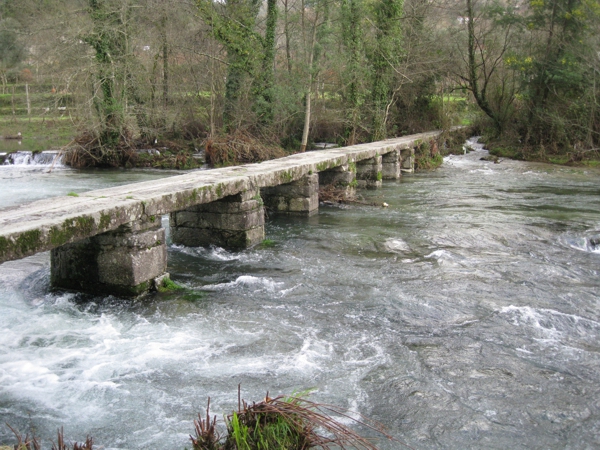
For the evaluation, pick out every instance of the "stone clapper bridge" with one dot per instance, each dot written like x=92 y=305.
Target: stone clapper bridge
x=111 y=240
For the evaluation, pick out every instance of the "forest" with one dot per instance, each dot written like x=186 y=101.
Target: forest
x=250 y=79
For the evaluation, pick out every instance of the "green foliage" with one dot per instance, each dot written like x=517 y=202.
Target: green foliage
x=542 y=93
x=277 y=432
x=168 y=285
x=375 y=71
x=267 y=243
x=108 y=38
x=506 y=152
x=427 y=156
x=353 y=36
x=383 y=56
x=280 y=423
x=12 y=51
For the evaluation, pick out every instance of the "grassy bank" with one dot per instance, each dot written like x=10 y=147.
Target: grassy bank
x=37 y=133
x=552 y=154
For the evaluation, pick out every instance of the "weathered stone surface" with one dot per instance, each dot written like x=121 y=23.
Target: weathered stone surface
x=298 y=197
x=408 y=160
x=369 y=173
x=202 y=237
x=391 y=165
x=236 y=221
x=339 y=176
x=226 y=221
x=122 y=262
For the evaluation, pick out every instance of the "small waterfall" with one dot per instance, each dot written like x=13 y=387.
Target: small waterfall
x=27 y=158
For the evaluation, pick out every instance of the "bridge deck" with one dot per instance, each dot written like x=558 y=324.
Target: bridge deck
x=49 y=223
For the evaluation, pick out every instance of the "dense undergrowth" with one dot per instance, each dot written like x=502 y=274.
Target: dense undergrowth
x=507 y=148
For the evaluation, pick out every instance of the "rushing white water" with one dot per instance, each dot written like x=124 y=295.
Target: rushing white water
x=50 y=158
x=465 y=315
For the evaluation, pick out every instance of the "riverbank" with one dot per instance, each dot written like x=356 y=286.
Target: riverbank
x=551 y=154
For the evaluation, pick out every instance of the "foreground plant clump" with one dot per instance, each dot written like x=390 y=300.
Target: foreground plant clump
x=283 y=423
x=280 y=423
x=27 y=443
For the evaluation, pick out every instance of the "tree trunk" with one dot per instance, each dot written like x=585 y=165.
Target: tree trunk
x=28 y=101
x=480 y=95
x=165 y=58
x=286 y=31
x=307 y=107
x=264 y=98
x=352 y=42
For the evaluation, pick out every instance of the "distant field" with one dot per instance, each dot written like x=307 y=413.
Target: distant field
x=38 y=133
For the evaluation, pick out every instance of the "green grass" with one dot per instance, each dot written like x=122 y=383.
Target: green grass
x=38 y=133
x=506 y=152
x=267 y=243
x=563 y=159
x=591 y=163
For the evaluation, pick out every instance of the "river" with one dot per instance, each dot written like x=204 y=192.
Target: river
x=466 y=315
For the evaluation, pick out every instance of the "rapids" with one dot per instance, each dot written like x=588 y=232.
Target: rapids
x=464 y=315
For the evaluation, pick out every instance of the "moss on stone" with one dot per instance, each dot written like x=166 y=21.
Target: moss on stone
x=4 y=245
x=131 y=291
x=323 y=166
x=168 y=285
x=105 y=220
x=259 y=199
x=287 y=177
x=194 y=195
x=85 y=223
x=58 y=237
x=77 y=227
x=28 y=241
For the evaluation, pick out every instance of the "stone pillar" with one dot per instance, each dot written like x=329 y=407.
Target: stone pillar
x=298 y=197
x=391 y=165
x=369 y=173
x=127 y=261
x=341 y=178
x=234 y=222
x=408 y=159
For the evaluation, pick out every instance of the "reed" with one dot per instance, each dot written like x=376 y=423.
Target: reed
x=283 y=423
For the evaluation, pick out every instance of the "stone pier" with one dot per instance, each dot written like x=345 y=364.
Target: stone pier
x=234 y=222
x=298 y=197
x=369 y=173
x=391 y=165
x=341 y=178
x=407 y=156
x=126 y=261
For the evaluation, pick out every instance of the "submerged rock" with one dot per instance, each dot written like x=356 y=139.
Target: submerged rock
x=492 y=158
